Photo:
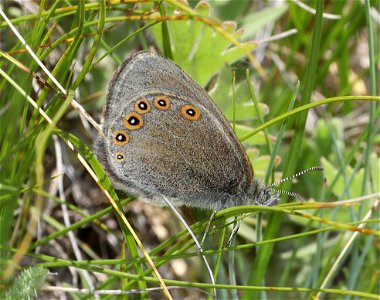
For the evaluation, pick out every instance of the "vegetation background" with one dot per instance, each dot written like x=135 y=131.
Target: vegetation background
x=61 y=238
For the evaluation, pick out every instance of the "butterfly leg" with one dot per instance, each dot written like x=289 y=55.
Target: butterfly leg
x=208 y=227
x=200 y=250
x=234 y=232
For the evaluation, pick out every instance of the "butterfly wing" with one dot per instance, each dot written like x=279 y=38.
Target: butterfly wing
x=163 y=135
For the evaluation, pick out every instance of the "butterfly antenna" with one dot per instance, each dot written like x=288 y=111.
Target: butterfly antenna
x=316 y=168
x=294 y=194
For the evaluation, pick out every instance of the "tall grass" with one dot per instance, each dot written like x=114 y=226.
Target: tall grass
x=312 y=98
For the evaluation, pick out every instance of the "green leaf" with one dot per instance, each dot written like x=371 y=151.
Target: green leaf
x=260 y=163
x=27 y=284
x=221 y=93
x=202 y=51
x=258 y=140
x=332 y=171
x=257 y=20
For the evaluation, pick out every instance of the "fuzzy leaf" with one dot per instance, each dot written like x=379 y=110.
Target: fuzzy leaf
x=27 y=284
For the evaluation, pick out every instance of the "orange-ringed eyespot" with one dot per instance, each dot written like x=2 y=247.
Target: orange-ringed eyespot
x=142 y=106
x=162 y=102
x=133 y=121
x=190 y=112
x=120 y=137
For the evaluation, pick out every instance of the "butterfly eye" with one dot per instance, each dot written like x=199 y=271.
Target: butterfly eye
x=190 y=112
x=133 y=121
x=162 y=102
x=120 y=138
x=142 y=106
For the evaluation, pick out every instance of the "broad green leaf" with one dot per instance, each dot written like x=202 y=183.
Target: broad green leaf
x=354 y=186
x=256 y=140
x=260 y=163
x=198 y=48
x=222 y=94
x=257 y=20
